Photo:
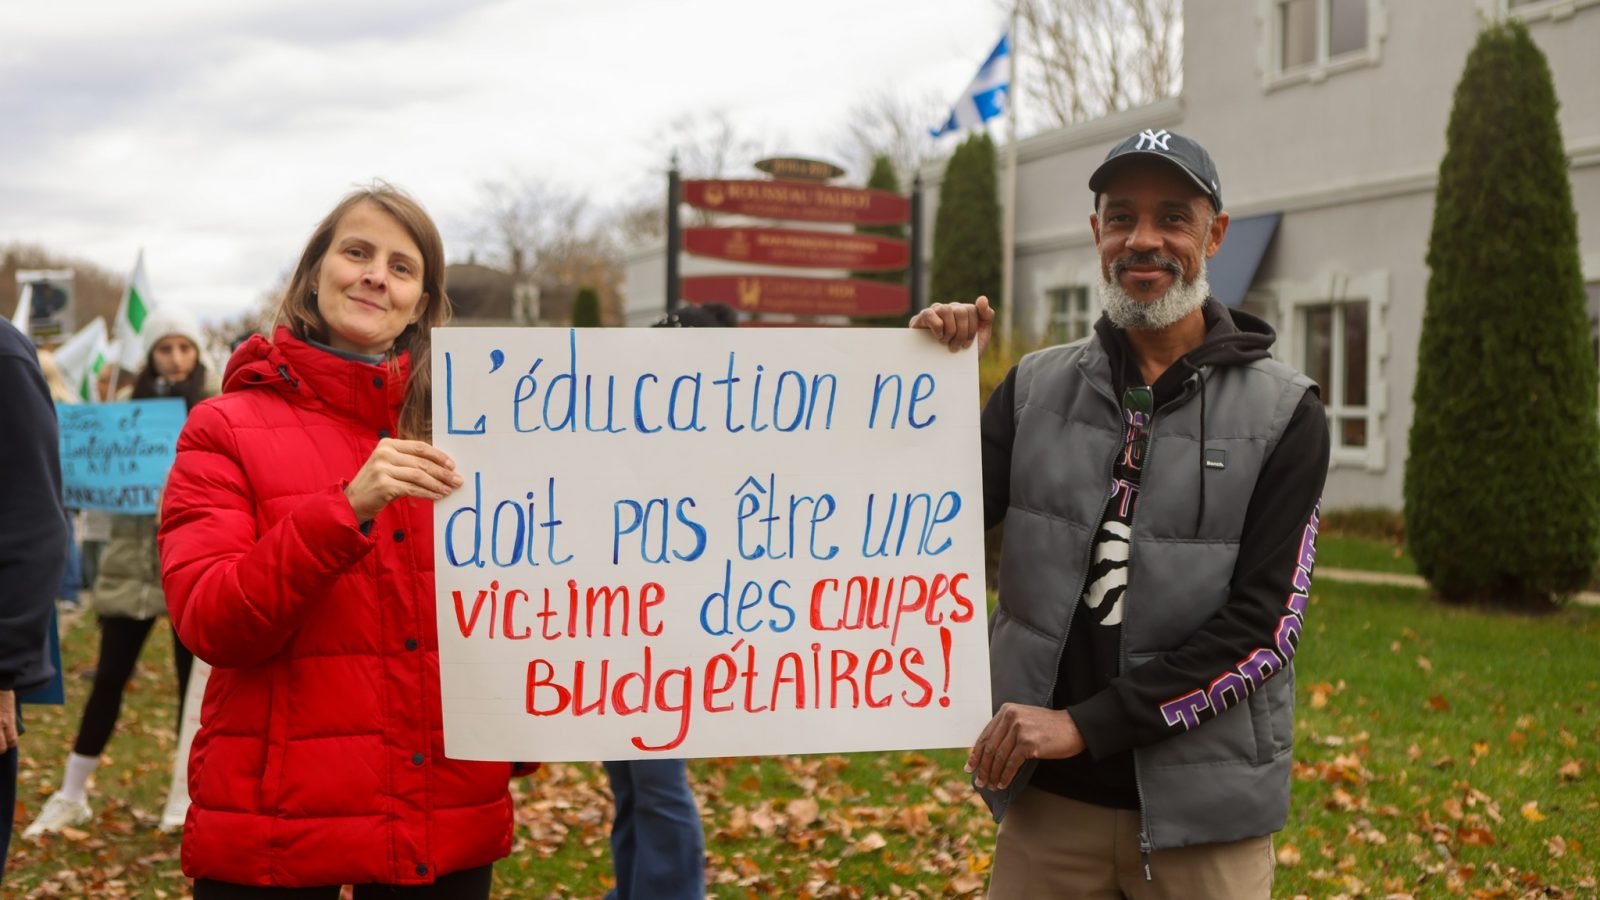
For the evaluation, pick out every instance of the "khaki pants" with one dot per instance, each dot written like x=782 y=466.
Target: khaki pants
x=1050 y=846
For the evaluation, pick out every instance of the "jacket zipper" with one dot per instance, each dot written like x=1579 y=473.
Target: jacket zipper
x=1122 y=654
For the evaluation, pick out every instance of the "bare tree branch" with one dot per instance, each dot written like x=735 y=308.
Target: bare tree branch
x=889 y=124
x=1086 y=58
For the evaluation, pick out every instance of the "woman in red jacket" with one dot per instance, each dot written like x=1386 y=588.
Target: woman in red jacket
x=297 y=555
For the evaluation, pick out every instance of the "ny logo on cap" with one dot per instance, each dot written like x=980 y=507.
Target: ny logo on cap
x=1153 y=140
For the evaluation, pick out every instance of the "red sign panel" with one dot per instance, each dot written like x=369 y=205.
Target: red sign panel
x=802 y=296
x=803 y=201
x=792 y=247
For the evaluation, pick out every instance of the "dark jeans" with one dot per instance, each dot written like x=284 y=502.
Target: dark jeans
x=121 y=640
x=8 y=796
x=470 y=884
x=657 y=844
x=72 y=575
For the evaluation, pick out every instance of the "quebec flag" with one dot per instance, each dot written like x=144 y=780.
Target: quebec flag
x=985 y=97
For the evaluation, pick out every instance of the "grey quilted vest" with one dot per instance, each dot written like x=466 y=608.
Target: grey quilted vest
x=1228 y=779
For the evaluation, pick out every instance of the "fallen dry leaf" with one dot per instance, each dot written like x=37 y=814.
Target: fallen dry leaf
x=1438 y=703
x=802 y=811
x=1425 y=664
x=1557 y=846
x=1288 y=856
x=966 y=883
x=1571 y=770
x=1530 y=811
x=873 y=841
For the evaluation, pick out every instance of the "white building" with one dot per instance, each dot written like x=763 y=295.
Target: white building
x=1326 y=119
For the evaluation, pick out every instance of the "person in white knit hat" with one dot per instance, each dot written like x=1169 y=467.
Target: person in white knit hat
x=127 y=596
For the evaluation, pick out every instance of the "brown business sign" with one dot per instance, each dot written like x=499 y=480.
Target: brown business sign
x=798 y=167
x=801 y=200
x=801 y=296
x=793 y=247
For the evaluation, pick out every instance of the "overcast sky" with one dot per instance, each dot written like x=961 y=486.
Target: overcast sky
x=214 y=133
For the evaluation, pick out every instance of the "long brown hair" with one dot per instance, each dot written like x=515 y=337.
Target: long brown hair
x=298 y=308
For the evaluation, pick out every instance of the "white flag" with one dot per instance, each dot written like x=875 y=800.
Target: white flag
x=137 y=303
x=81 y=358
x=24 y=310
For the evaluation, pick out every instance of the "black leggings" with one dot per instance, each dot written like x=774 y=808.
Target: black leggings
x=121 y=639
x=470 y=884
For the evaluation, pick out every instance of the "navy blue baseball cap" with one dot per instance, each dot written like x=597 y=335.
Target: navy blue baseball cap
x=1190 y=158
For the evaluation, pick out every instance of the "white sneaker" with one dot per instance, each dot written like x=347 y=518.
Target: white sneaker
x=59 y=813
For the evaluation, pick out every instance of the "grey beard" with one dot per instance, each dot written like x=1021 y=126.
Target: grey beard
x=1183 y=298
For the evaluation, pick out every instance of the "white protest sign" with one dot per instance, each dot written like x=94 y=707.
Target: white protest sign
x=708 y=542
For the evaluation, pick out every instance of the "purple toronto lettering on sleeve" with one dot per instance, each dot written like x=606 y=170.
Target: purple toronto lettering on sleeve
x=1262 y=663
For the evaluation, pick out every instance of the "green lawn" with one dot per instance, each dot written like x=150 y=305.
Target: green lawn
x=1440 y=752
x=1348 y=551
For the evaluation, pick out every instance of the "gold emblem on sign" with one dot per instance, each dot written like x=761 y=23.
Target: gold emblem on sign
x=750 y=292
x=738 y=245
x=715 y=195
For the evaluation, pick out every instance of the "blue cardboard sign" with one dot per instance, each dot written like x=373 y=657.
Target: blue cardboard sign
x=115 y=456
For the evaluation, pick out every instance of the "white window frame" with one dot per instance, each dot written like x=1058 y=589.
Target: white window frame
x=1091 y=310
x=1074 y=271
x=1294 y=297
x=1555 y=10
x=1273 y=74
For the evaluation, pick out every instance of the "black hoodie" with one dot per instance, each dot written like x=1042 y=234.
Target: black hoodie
x=33 y=526
x=1116 y=711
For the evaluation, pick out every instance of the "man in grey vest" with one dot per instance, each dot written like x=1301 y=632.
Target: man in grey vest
x=1159 y=482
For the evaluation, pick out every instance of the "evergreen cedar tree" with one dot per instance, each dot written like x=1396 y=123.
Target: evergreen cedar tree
x=883 y=178
x=966 y=231
x=586 y=309
x=1502 y=490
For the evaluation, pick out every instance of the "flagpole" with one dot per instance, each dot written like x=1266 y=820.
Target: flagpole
x=1009 y=225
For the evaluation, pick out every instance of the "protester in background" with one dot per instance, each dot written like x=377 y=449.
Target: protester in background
x=33 y=548
x=657 y=841
x=297 y=552
x=126 y=596
x=72 y=577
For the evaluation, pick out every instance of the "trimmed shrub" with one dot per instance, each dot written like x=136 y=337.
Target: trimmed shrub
x=966 y=230
x=1502 y=490
x=586 y=308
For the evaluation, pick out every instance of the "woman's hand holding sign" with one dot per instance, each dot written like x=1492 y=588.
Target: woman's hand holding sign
x=1016 y=734
x=957 y=325
x=398 y=469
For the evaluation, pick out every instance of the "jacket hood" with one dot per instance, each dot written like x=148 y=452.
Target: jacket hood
x=307 y=375
x=1233 y=337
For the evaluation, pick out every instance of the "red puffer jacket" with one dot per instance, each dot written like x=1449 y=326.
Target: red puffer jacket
x=320 y=757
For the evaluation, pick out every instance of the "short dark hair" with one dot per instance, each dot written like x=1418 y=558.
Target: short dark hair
x=709 y=315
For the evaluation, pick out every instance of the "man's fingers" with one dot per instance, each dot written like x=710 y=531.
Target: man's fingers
x=1014 y=762
x=1004 y=745
x=974 y=757
x=985 y=311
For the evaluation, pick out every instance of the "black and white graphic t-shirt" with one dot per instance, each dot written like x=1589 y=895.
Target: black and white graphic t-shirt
x=1094 y=640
